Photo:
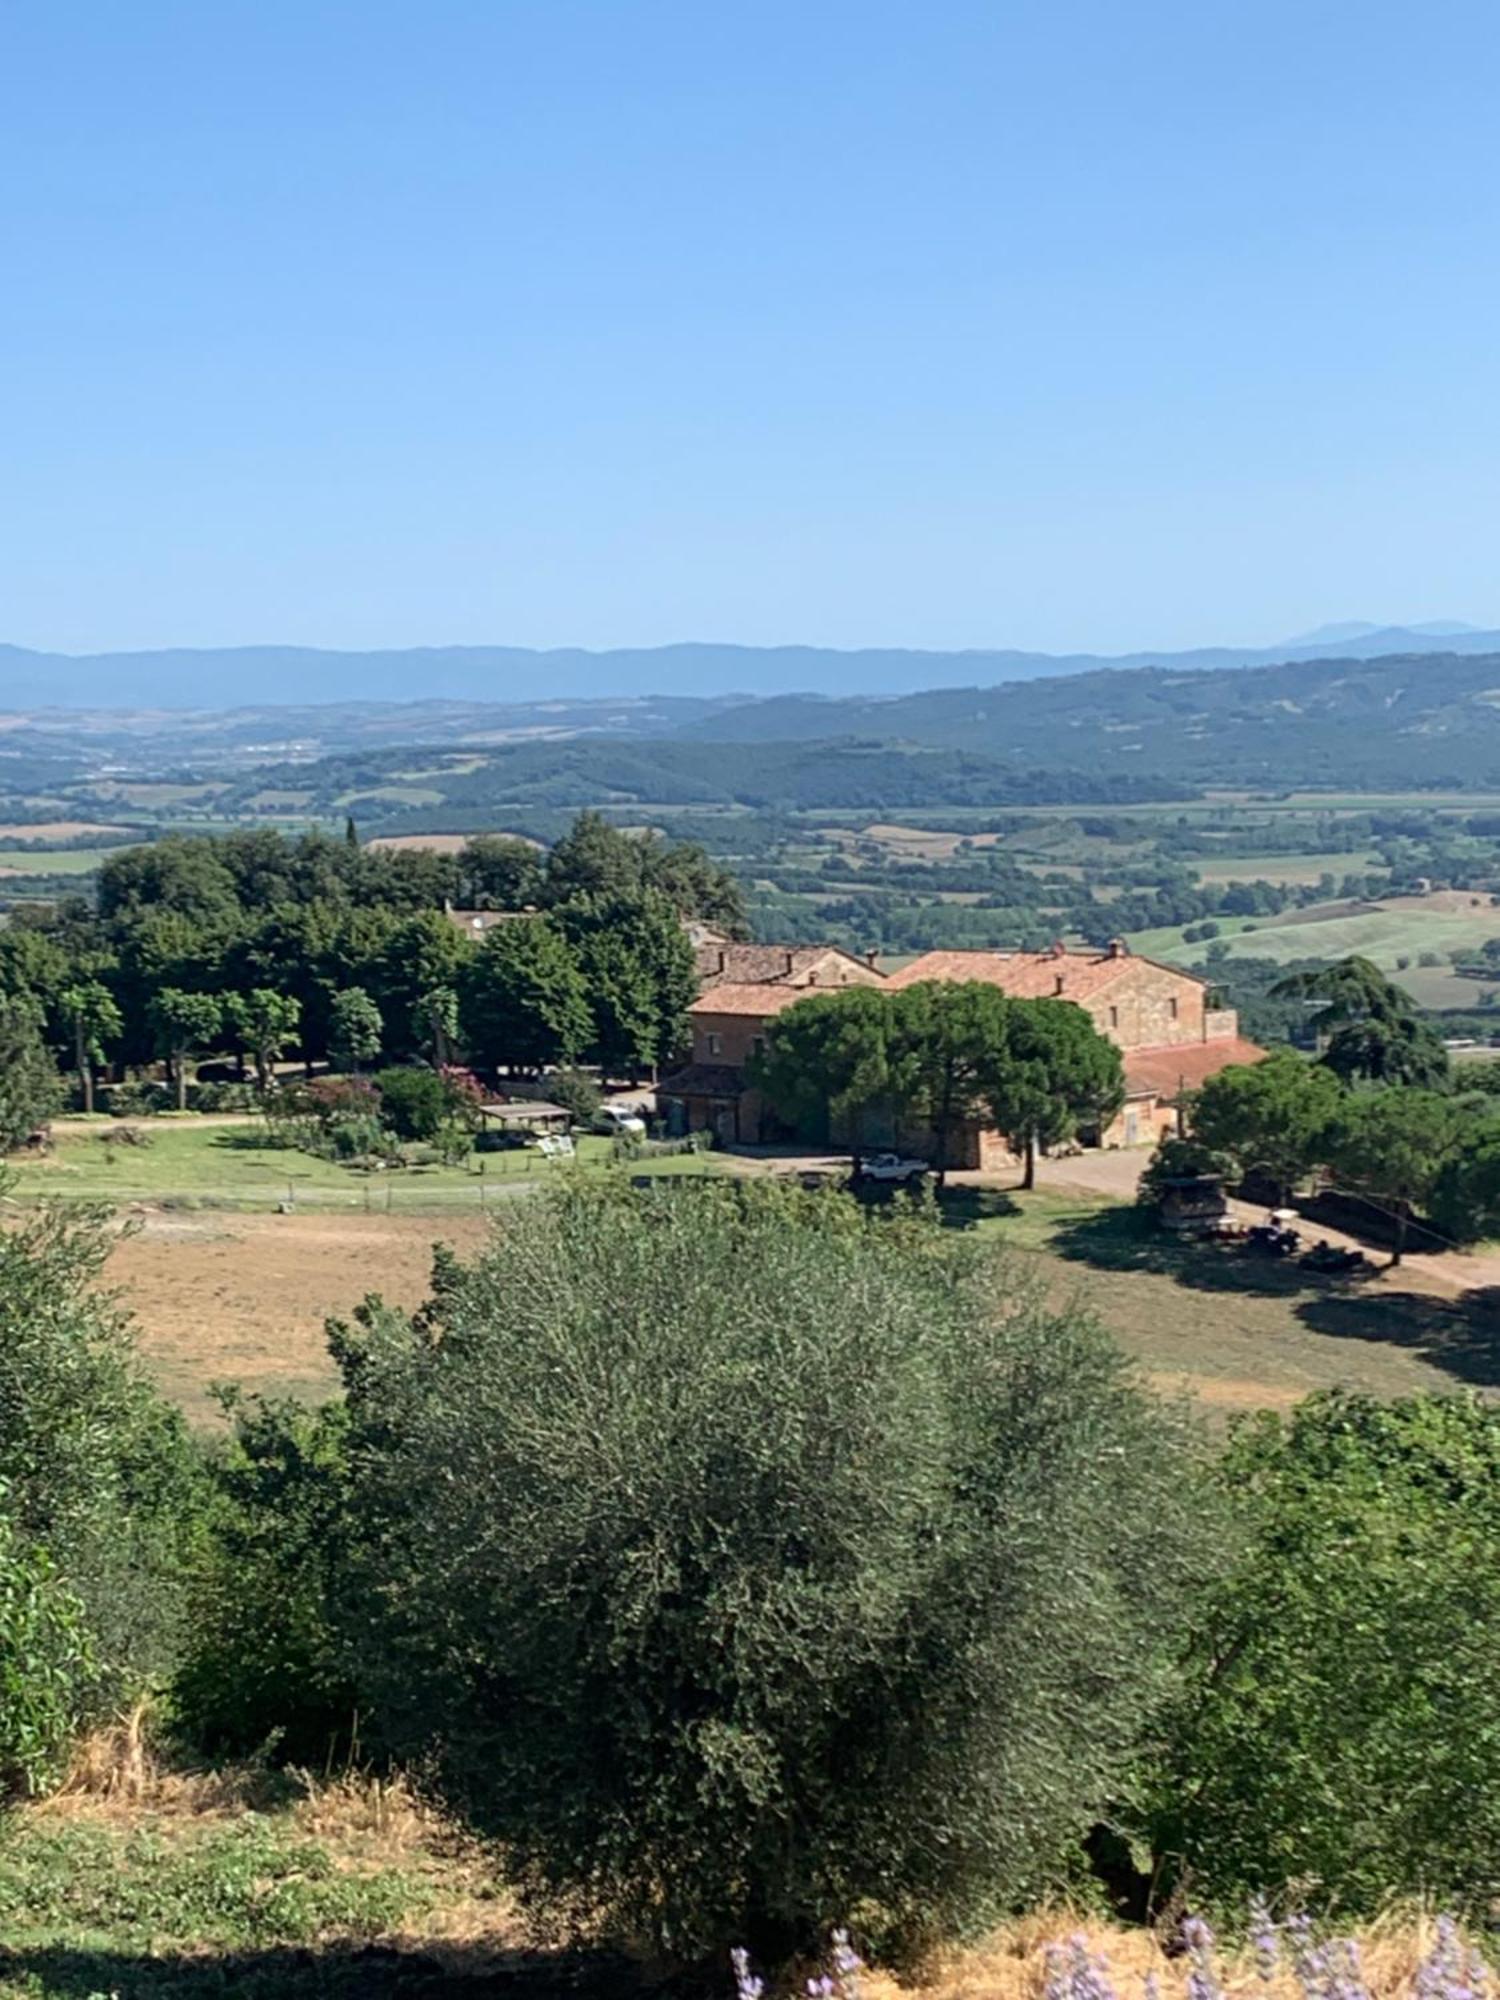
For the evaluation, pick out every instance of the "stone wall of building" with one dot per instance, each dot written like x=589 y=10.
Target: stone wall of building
x=1148 y=1007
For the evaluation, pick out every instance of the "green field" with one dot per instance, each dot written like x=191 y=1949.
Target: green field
x=192 y=1163
x=1288 y=868
x=1405 y=927
x=52 y=860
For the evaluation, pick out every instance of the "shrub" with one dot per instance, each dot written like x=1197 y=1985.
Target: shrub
x=577 y=1092
x=414 y=1103
x=357 y=1137
x=741 y=1560
x=46 y=1667
x=1338 y=1722
x=224 y=1097
x=262 y=1665
x=135 y=1100
x=100 y=1471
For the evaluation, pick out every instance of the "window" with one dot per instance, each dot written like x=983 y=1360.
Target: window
x=1114 y=1017
x=1172 y=1004
x=715 y=1045
x=758 y=1044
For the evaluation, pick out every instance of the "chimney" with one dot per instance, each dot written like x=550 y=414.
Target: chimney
x=1057 y=983
x=1059 y=949
x=791 y=962
x=870 y=958
x=723 y=958
x=1117 y=948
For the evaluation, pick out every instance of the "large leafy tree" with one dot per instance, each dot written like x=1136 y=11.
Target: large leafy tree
x=1400 y=1051
x=185 y=1024
x=596 y=859
x=1465 y=1202
x=1053 y=1072
x=30 y=1092
x=499 y=872
x=1275 y=1116
x=1368 y=1024
x=95 y=1022
x=638 y=970
x=1392 y=1145
x=827 y=1065
x=355 y=1029
x=776 y=1567
x=948 y=1042
x=1337 y=1723
x=522 y=1000
x=264 y=1022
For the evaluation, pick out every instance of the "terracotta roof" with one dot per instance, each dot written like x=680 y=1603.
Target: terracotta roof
x=704 y=1080
x=1164 y=1073
x=759 y=999
x=768 y=964
x=1025 y=975
x=1032 y=975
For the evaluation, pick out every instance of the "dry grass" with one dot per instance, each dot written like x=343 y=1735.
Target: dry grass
x=1013 y=1964
x=375 y=1827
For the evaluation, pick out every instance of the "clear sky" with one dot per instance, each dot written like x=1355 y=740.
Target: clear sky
x=1068 y=324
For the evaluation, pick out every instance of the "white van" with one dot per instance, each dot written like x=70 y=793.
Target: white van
x=618 y=1121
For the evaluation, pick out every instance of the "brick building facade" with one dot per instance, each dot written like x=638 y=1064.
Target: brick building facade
x=1157 y=1015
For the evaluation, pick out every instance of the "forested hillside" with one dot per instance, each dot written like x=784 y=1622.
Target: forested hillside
x=1418 y=719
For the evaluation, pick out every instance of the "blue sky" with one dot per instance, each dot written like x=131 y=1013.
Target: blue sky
x=944 y=324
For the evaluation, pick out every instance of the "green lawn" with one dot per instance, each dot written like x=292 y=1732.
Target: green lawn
x=53 y=860
x=188 y=1162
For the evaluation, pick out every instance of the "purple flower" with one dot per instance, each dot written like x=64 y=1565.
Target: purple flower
x=746 y=1985
x=1203 y=1978
x=1265 y=1940
x=847 y=1967
x=1074 y=1973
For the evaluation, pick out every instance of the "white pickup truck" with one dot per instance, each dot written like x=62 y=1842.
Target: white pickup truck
x=892 y=1167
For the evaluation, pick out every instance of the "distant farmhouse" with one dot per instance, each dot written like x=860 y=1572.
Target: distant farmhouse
x=1157 y=1015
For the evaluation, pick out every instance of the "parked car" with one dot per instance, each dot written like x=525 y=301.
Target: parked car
x=892 y=1167
x=618 y=1121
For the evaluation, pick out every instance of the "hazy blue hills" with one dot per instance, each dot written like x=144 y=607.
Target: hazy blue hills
x=246 y=676
x=1414 y=719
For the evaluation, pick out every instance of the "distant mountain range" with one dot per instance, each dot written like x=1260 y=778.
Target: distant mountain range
x=222 y=678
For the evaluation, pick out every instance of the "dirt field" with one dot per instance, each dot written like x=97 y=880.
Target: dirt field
x=56 y=829
x=441 y=843
x=224 y=1296
x=230 y=1297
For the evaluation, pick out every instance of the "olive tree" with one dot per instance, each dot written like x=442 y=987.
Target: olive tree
x=739 y=1560
x=1337 y=1724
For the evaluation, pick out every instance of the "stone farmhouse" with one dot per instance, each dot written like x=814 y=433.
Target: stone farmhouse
x=1157 y=1015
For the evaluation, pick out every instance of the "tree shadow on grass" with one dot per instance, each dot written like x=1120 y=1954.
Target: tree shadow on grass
x=1131 y=1239
x=966 y=1207
x=333 y=1972
x=237 y=1139
x=1459 y=1336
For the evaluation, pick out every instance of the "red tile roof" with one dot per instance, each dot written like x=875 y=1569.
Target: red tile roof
x=759 y=999
x=774 y=964
x=1026 y=975
x=1166 y=1073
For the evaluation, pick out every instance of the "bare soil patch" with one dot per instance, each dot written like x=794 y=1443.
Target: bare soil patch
x=443 y=843
x=220 y=1296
